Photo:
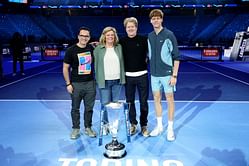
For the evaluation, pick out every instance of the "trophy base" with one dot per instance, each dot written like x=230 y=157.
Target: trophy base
x=115 y=150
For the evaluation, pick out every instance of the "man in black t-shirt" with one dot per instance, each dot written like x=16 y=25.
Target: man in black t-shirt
x=80 y=83
x=135 y=49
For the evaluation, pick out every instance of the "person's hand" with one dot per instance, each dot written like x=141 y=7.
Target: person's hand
x=70 y=89
x=94 y=44
x=173 y=80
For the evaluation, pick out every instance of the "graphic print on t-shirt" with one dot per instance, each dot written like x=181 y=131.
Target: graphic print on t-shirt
x=85 y=60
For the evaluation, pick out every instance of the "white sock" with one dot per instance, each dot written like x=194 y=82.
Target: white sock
x=170 y=125
x=160 y=122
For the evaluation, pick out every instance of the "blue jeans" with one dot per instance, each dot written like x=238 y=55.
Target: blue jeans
x=110 y=93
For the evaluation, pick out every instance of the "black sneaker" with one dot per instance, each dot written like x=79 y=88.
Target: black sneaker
x=145 y=131
x=133 y=129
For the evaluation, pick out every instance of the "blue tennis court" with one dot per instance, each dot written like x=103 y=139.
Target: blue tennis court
x=211 y=121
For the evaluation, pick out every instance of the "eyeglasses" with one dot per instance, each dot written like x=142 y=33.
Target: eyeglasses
x=86 y=36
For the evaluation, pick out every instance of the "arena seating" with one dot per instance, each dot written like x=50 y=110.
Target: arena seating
x=188 y=29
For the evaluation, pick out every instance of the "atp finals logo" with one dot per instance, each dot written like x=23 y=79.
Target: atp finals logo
x=110 y=162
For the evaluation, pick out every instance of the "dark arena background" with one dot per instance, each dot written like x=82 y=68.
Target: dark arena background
x=212 y=98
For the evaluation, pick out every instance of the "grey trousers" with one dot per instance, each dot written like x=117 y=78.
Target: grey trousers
x=85 y=91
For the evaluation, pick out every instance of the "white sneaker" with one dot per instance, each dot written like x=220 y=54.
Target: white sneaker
x=105 y=129
x=157 y=131
x=170 y=135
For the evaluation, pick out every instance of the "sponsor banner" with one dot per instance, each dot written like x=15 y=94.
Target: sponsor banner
x=51 y=52
x=213 y=52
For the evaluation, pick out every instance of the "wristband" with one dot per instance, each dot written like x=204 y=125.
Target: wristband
x=174 y=76
x=68 y=84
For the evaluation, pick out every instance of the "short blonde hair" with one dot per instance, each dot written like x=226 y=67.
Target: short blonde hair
x=156 y=13
x=130 y=19
x=102 y=39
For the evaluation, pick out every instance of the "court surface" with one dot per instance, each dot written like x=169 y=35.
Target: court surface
x=211 y=121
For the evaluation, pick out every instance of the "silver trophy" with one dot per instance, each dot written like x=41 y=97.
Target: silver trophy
x=114 y=149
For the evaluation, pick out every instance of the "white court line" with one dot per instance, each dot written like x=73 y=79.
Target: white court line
x=243 y=82
x=28 y=77
x=150 y=101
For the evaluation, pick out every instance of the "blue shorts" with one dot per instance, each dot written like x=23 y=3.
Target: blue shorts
x=157 y=83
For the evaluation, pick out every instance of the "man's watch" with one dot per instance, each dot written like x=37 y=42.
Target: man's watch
x=175 y=76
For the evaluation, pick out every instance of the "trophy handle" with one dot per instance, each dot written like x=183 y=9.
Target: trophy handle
x=101 y=125
x=127 y=123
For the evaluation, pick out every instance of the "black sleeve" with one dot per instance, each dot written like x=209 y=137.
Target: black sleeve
x=146 y=43
x=121 y=41
x=68 y=56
